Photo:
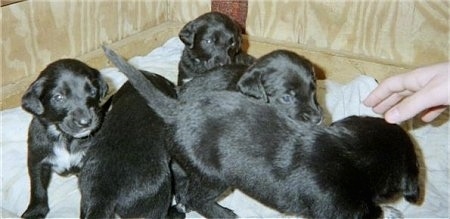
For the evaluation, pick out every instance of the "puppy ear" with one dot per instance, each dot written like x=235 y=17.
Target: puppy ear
x=30 y=100
x=187 y=34
x=103 y=87
x=101 y=83
x=238 y=43
x=239 y=28
x=251 y=84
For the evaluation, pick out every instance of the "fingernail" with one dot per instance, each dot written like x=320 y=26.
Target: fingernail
x=366 y=102
x=393 y=116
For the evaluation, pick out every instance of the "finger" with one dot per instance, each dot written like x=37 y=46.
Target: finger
x=431 y=114
x=411 y=81
x=411 y=106
x=384 y=90
x=387 y=103
x=391 y=101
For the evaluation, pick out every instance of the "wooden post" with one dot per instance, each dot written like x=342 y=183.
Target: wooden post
x=236 y=9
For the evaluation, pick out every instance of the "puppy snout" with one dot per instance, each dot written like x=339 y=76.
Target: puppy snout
x=221 y=61
x=82 y=118
x=312 y=118
x=316 y=119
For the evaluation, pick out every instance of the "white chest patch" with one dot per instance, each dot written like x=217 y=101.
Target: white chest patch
x=62 y=160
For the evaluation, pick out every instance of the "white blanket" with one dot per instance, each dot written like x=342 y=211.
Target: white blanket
x=337 y=100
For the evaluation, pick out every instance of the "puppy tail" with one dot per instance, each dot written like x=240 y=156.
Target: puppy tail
x=163 y=105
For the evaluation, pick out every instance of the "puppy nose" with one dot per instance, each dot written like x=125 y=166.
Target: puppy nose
x=83 y=122
x=315 y=119
x=221 y=61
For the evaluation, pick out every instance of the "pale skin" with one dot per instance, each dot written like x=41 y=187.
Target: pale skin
x=422 y=91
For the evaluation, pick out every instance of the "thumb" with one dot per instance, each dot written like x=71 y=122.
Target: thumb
x=432 y=113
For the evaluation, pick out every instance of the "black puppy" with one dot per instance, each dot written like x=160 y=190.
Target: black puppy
x=227 y=140
x=126 y=171
x=280 y=78
x=65 y=103
x=213 y=39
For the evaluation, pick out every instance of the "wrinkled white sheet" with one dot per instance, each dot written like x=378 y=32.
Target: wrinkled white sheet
x=338 y=101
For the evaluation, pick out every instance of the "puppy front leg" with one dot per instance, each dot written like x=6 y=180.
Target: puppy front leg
x=96 y=209
x=243 y=58
x=40 y=175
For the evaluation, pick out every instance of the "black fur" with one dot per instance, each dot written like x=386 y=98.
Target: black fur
x=286 y=81
x=213 y=39
x=126 y=170
x=225 y=139
x=65 y=103
x=219 y=78
x=280 y=78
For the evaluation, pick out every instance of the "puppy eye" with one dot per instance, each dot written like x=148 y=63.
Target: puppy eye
x=287 y=99
x=58 y=98
x=93 y=92
x=209 y=41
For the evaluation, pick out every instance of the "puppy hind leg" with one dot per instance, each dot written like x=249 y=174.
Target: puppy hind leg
x=374 y=211
x=98 y=212
x=151 y=206
x=356 y=209
x=214 y=210
x=202 y=197
x=96 y=209
x=180 y=184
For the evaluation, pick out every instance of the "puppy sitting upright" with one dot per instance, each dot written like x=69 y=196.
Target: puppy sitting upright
x=211 y=40
x=65 y=103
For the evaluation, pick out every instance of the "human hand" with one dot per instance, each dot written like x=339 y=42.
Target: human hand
x=403 y=96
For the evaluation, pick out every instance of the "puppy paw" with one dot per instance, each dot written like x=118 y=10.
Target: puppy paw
x=180 y=208
x=391 y=213
x=176 y=213
x=36 y=211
